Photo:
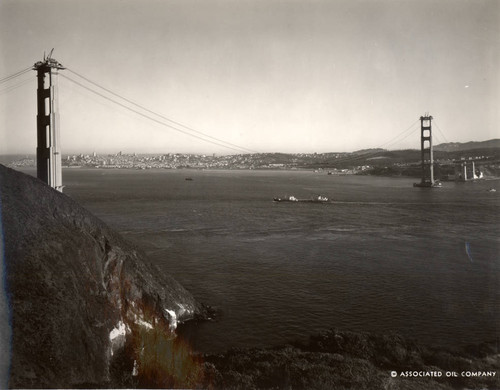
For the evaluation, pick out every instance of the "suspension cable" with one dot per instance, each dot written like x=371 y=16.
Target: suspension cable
x=147 y=116
x=439 y=129
x=13 y=87
x=231 y=145
x=410 y=130
x=14 y=75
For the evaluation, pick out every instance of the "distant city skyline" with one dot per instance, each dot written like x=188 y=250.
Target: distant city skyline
x=255 y=76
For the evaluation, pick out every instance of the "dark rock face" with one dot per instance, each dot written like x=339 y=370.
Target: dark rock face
x=79 y=294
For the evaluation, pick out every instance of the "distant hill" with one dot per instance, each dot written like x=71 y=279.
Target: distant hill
x=458 y=146
x=368 y=151
x=8 y=158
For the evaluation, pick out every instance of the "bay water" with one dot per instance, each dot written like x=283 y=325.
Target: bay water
x=382 y=257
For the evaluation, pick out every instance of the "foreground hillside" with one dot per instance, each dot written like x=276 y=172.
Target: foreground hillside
x=347 y=360
x=79 y=294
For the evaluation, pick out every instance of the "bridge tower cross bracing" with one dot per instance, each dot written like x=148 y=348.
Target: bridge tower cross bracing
x=48 y=151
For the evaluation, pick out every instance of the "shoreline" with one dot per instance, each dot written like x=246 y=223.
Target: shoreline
x=32 y=169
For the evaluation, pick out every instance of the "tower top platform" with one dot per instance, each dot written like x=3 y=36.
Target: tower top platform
x=48 y=63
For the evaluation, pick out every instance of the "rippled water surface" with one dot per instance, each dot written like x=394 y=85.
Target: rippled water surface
x=384 y=256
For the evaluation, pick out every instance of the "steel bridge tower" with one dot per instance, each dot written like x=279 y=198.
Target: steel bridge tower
x=426 y=152
x=48 y=152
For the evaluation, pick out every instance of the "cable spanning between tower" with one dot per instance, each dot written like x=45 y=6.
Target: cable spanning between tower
x=152 y=115
x=372 y=153
x=14 y=75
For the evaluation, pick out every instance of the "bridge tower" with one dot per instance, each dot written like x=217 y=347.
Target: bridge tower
x=48 y=152
x=426 y=152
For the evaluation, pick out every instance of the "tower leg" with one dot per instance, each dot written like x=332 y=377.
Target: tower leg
x=426 y=152
x=48 y=154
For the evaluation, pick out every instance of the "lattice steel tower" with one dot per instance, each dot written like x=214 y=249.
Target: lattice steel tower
x=48 y=152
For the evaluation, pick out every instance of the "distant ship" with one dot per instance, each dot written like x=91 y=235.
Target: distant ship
x=291 y=198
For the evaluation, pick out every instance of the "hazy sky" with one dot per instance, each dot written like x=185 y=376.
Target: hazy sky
x=286 y=76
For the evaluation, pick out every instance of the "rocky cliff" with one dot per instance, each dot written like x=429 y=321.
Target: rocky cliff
x=86 y=309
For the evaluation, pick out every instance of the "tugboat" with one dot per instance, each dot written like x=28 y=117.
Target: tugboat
x=286 y=198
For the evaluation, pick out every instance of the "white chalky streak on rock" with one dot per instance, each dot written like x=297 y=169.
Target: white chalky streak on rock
x=117 y=335
x=118 y=331
x=172 y=319
x=183 y=309
x=141 y=322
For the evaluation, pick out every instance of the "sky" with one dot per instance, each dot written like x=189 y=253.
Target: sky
x=252 y=75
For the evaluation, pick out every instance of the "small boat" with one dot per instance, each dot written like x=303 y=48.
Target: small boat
x=189 y=179
x=492 y=190
x=321 y=198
